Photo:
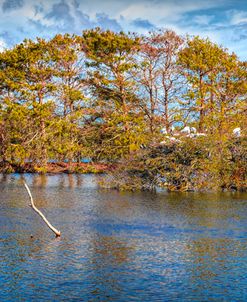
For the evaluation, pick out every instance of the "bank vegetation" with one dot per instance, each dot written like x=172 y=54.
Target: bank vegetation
x=123 y=101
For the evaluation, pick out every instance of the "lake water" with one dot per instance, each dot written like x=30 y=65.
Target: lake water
x=119 y=246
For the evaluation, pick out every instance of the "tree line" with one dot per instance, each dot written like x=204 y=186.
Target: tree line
x=105 y=95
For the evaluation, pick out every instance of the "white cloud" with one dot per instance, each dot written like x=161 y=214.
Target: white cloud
x=161 y=12
x=42 y=18
x=238 y=17
x=203 y=19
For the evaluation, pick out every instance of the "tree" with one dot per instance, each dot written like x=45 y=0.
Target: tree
x=119 y=122
x=216 y=83
x=69 y=95
x=26 y=72
x=159 y=77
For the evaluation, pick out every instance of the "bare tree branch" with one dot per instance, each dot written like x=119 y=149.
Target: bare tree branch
x=58 y=233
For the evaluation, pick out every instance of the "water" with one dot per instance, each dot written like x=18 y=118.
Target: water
x=120 y=246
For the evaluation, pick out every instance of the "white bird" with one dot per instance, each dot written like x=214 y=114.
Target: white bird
x=175 y=140
x=200 y=134
x=237 y=132
x=193 y=130
x=194 y=135
x=186 y=130
x=171 y=139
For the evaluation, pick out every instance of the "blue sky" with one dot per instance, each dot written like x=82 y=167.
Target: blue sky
x=223 y=21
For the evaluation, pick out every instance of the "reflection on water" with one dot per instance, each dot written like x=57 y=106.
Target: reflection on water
x=119 y=246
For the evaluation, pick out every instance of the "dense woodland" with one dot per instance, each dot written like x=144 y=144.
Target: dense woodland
x=123 y=99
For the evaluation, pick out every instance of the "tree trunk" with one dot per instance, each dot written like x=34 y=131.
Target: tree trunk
x=57 y=233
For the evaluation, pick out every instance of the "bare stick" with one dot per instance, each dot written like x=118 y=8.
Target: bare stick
x=58 y=233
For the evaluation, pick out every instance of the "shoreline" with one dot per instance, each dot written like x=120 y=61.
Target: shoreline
x=58 y=168
x=96 y=168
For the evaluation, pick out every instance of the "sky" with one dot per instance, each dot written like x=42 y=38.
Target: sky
x=223 y=21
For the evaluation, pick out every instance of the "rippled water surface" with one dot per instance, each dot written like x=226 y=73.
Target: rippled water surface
x=119 y=246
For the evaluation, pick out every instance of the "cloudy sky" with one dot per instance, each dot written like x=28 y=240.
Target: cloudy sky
x=223 y=21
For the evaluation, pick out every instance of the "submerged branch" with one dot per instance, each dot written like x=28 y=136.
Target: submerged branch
x=58 y=233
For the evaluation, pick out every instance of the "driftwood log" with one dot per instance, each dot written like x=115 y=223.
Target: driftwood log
x=57 y=233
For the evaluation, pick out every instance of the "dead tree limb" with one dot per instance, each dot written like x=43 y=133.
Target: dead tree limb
x=58 y=233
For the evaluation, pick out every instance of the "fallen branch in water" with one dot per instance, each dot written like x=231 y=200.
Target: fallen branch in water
x=58 y=233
